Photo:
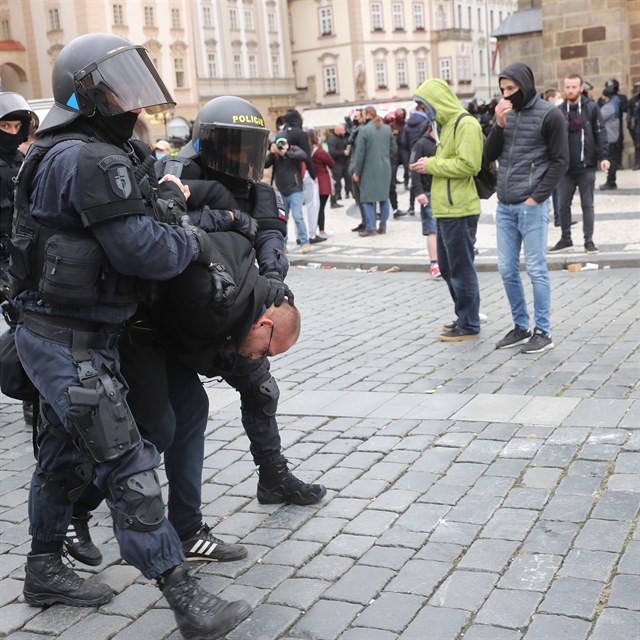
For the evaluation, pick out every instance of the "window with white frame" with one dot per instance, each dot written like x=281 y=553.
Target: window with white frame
x=381 y=74
x=149 y=17
x=326 y=21
x=233 y=18
x=376 y=16
x=418 y=16
x=275 y=65
x=212 y=65
x=463 y=64
x=176 y=19
x=397 y=13
x=401 y=73
x=118 y=14
x=5 y=30
x=237 y=65
x=272 y=23
x=178 y=65
x=252 y=62
x=445 y=69
x=248 y=20
x=421 y=70
x=330 y=79
x=206 y=16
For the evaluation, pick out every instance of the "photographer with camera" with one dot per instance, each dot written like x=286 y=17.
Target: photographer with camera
x=289 y=164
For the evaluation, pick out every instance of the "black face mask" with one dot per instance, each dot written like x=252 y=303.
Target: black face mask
x=116 y=129
x=9 y=142
x=517 y=99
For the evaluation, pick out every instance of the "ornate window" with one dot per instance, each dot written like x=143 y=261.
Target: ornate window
x=381 y=74
x=237 y=65
x=178 y=65
x=330 y=74
x=445 y=69
x=418 y=16
x=212 y=65
x=207 y=20
x=118 y=14
x=272 y=23
x=149 y=16
x=248 y=20
x=275 y=65
x=402 y=78
x=253 y=65
x=421 y=68
x=376 y=16
x=176 y=20
x=233 y=18
x=397 y=12
x=326 y=21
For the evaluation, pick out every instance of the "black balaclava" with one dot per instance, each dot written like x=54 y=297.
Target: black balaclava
x=115 y=129
x=9 y=143
x=516 y=99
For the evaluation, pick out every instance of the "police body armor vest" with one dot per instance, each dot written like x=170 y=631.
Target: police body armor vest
x=68 y=266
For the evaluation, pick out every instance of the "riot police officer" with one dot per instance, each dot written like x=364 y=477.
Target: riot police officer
x=82 y=250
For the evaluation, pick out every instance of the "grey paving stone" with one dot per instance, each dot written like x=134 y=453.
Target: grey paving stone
x=422 y=517
x=482 y=451
x=545 y=627
x=548 y=536
x=508 y=467
x=133 y=601
x=568 y=507
x=625 y=592
x=464 y=590
x=498 y=431
x=390 y=557
x=531 y=572
x=509 y=608
x=488 y=555
x=436 y=623
x=292 y=553
x=361 y=459
x=509 y=524
x=492 y=486
x=554 y=455
x=10 y=591
x=343 y=508
x=395 y=500
x=485 y=632
x=419 y=577
x=56 y=620
x=396 y=537
x=521 y=448
x=616 y=624
x=606 y=452
x=300 y=593
x=573 y=597
x=541 y=478
x=474 y=509
x=265 y=575
x=442 y=493
x=350 y=546
x=579 y=485
x=603 y=535
x=418 y=481
x=370 y=522
x=624 y=482
x=339 y=478
x=440 y=551
x=97 y=625
x=359 y=584
x=459 y=533
x=367 y=634
x=589 y=565
x=391 y=611
x=365 y=488
x=630 y=562
x=589 y=468
x=326 y=619
x=434 y=460
x=267 y=620
x=526 y=498
x=598 y=413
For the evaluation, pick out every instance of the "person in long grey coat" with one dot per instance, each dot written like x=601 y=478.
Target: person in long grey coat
x=372 y=170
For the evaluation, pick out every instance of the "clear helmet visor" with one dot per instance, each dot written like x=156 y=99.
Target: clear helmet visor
x=234 y=150
x=123 y=81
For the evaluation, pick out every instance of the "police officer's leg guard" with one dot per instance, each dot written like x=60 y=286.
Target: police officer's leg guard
x=137 y=502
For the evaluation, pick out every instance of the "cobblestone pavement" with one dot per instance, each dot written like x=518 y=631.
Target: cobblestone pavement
x=473 y=493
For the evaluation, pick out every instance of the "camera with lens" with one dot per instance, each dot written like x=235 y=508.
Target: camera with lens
x=281 y=144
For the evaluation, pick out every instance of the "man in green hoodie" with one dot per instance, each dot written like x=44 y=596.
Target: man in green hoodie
x=455 y=202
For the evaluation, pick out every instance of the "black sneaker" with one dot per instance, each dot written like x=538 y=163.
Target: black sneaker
x=561 y=245
x=515 y=337
x=205 y=546
x=539 y=342
x=335 y=205
x=608 y=187
x=360 y=227
x=277 y=485
x=48 y=581
x=200 y=615
x=399 y=214
x=450 y=326
x=316 y=239
x=589 y=247
x=78 y=543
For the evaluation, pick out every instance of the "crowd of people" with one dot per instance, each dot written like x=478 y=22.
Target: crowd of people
x=134 y=273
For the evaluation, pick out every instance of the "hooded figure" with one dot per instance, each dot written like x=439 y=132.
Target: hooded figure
x=297 y=137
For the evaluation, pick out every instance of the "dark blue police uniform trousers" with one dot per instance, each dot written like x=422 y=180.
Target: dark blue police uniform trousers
x=51 y=368
x=182 y=432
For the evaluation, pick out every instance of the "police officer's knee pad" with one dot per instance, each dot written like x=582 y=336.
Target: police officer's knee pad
x=67 y=483
x=144 y=508
x=267 y=394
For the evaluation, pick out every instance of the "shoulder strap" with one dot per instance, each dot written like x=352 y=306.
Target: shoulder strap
x=462 y=115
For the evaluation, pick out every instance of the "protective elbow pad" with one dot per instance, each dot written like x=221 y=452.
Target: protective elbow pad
x=143 y=505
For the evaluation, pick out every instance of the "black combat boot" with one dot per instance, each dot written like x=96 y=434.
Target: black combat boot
x=277 y=484
x=78 y=543
x=199 y=614
x=48 y=581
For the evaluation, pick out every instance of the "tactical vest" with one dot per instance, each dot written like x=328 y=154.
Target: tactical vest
x=68 y=266
x=525 y=155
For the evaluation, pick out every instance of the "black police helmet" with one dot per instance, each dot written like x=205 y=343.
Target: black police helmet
x=612 y=85
x=230 y=136
x=104 y=73
x=14 y=107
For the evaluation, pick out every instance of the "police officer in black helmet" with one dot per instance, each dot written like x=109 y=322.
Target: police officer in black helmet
x=83 y=247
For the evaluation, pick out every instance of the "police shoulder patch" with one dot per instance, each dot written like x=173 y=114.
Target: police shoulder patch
x=118 y=170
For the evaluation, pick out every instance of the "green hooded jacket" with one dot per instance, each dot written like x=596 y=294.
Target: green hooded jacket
x=458 y=158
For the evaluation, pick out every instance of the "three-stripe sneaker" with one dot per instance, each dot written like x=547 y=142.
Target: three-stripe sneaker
x=205 y=546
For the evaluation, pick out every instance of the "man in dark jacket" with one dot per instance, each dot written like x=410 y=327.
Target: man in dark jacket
x=412 y=131
x=293 y=132
x=529 y=138
x=587 y=147
x=339 y=150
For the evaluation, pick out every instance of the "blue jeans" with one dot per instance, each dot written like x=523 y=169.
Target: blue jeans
x=427 y=219
x=370 y=214
x=520 y=226
x=294 y=203
x=456 y=243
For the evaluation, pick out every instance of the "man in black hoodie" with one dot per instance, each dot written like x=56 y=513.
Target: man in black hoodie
x=297 y=137
x=529 y=138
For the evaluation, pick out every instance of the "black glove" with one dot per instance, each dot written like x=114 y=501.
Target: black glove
x=243 y=223
x=205 y=255
x=278 y=290
x=223 y=288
